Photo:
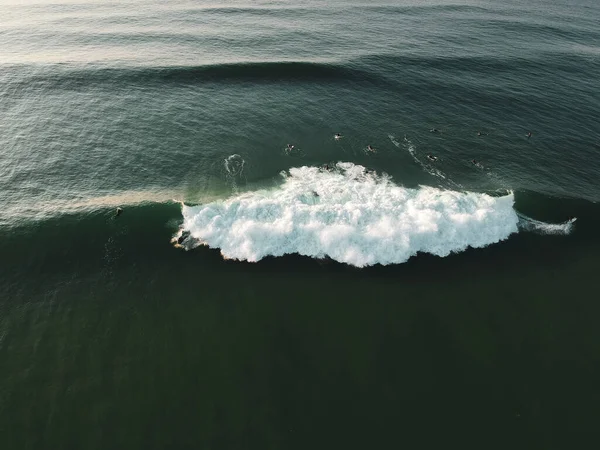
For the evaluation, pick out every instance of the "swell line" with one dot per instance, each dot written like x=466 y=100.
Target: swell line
x=256 y=72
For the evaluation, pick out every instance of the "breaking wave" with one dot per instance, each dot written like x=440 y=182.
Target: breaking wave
x=350 y=215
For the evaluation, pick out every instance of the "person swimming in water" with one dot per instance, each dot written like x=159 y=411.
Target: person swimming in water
x=434 y=130
x=431 y=157
x=528 y=134
x=337 y=136
x=371 y=149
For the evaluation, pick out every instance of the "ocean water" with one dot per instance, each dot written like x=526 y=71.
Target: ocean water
x=437 y=291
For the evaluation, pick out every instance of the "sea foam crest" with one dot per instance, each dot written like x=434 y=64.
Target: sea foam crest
x=350 y=215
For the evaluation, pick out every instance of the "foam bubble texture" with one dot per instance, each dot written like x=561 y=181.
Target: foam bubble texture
x=351 y=216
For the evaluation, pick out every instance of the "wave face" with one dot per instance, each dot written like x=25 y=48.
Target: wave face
x=255 y=72
x=350 y=215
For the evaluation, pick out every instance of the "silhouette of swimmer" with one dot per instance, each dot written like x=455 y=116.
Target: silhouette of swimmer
x=119 y=212
x=434 y=130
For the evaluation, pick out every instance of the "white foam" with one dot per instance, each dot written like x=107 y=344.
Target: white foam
x=351 y=216
x=532 y=225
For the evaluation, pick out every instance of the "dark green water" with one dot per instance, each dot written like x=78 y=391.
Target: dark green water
x=437 y=304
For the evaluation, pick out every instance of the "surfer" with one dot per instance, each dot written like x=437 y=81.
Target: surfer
x=431 y=157
x=371 y=149
x=119 y=212
x=528 y=134
x=434 y=130
x=184 y=235
x=290 y=147
x=337 y=136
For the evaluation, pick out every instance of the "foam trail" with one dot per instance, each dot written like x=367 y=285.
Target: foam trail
x=429 y=168
x=536 y=226
x=234 y=167
x=349 y=215
x=413 y=153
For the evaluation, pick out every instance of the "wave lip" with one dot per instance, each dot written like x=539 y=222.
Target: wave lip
x=349 y=215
